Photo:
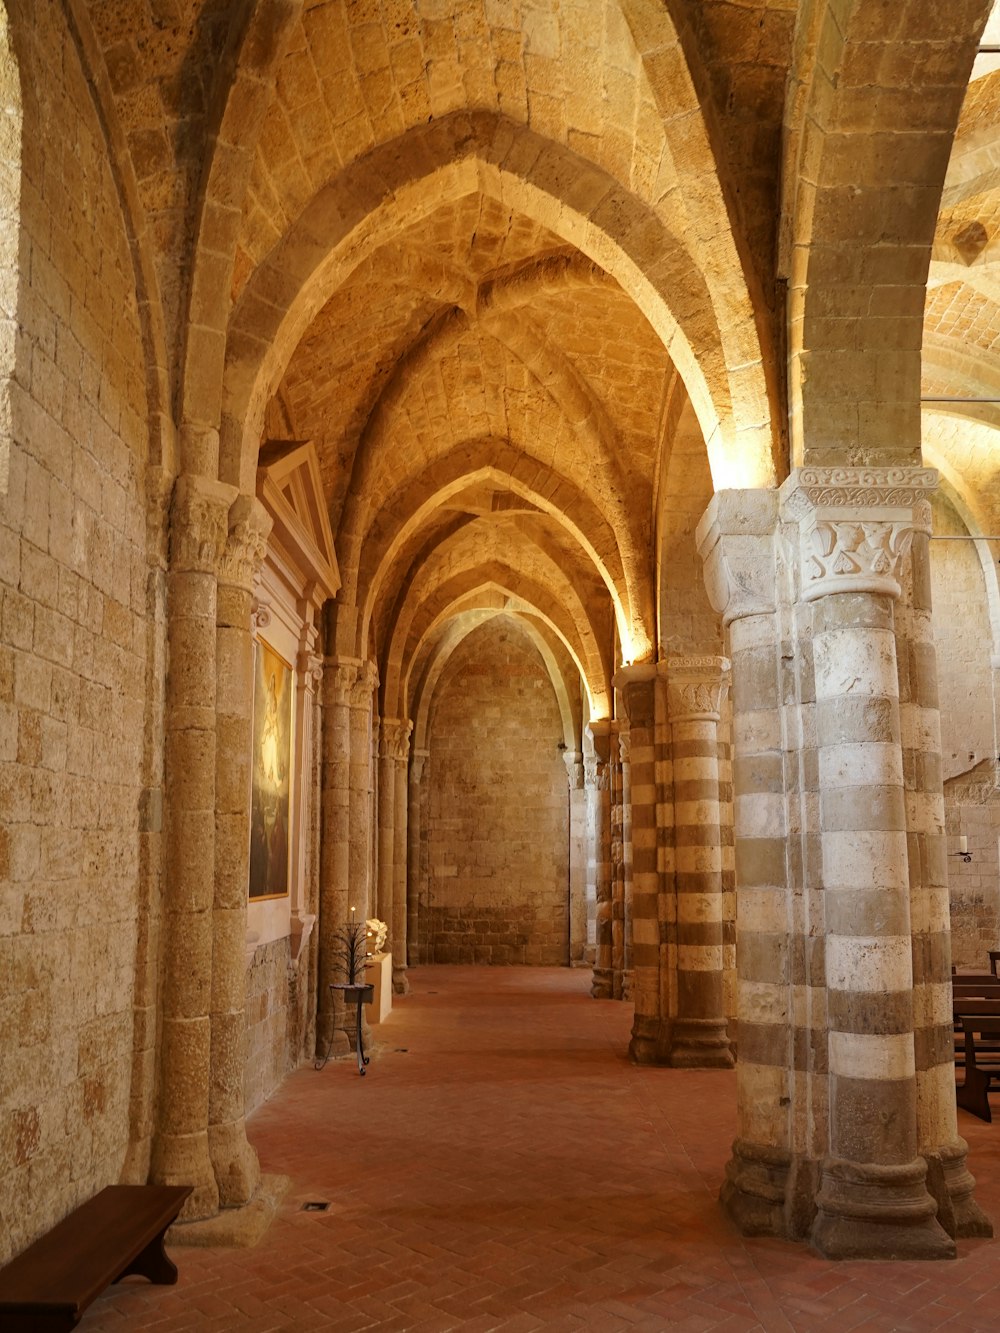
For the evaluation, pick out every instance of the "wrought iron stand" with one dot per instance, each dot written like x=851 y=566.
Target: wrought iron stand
x=360 y=993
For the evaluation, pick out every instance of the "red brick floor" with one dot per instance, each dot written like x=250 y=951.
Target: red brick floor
x=509 y=1169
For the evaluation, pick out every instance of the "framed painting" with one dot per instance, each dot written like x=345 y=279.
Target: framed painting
x=270 y=774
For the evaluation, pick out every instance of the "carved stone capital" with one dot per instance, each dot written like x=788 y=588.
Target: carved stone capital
x=696 y=687
x=599 y=731
x=395 y=738
x=735 y=540
x=246 y=542
x=637 y=685
x=573 y=760
x=339 y=676
x=596 y=773
x=199 y=524
x=365 y=684
x=624 y=747
x=417 y=762
x=855 y=525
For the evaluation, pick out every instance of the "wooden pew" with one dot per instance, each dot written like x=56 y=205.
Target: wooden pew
x=982 y=1062
x=118 y=1232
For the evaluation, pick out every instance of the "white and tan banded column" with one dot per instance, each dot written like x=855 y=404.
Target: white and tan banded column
x=339 y=677
x=414 y=840
x=696 y=687
x=638 y=692
x=948 y=1177
x=597 y=770
x=199 y=532
x=855 y=528
x=236 y=1167
x=736 y=540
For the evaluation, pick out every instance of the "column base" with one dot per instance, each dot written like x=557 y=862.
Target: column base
x=868 y=1211
x=700 y=1043
x=237 y=1170
x=951 y=1184
x=628 y=984
x=646 y=1044
x=601 y=986
x=755 y=1189
x=400 y=981
x=183 y=1159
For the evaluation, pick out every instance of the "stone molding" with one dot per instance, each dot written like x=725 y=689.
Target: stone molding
x=696 y=687
x=624 y=747
x=417 y=761
x=310 y=668
x=735 y=540
x=199 y=524
x=599 y=731
x=855 y=525
x=246 y=543
x=260 y=614
x=395 y=738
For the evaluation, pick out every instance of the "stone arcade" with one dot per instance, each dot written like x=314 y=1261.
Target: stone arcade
x=587 y=401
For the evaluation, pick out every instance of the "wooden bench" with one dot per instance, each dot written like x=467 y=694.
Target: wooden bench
x=982 y=1063
x=118 y=1232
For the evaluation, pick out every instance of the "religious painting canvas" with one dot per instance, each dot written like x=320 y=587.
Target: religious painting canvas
x=271 y=774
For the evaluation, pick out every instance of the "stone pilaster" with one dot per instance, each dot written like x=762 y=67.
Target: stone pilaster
x=638 y=692
x=199 y=531
x=598 y=783
x=854 y=531
x=236 y=1168
x=339 y=677
x=414 y=839
x=696 y=686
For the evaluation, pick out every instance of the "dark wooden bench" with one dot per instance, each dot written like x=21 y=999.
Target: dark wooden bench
x=982 y=1063
x=963 y=1006
x=118 y=1232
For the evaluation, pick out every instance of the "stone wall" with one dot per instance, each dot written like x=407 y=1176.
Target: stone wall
x=963 y=639
x=497 y=835
x=268 y=1017
x=74 y=640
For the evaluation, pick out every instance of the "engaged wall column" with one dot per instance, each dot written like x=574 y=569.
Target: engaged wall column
x=696 y=687
x=199 y=530
x=236 y=1168
x=398 y=924
x=339 y=677
x=414 y=839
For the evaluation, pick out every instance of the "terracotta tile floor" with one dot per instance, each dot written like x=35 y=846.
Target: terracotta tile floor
x=508 y=1169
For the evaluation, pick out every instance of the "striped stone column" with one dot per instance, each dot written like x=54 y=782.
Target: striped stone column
x=854 y=531
x=948 y=1177
x=339 y=676
x=638 y=692
x=619 y=747
x=695 y=690
x=398 y=929
x=736 y=540
x=598 y=782
x=236 y=1167
x=414 y=839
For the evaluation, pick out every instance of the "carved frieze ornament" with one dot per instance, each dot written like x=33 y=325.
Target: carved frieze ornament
x=855 y=525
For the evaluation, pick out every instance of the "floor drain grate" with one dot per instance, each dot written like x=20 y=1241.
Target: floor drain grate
x=315 y=1206
x=402 y=1050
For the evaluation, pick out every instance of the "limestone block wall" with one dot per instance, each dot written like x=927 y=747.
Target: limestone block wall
x=964 y=639
x=75 y=638
x=268 y=1018
x=497 y=819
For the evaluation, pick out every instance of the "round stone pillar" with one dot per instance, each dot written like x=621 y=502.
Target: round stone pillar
x=400 y=985
x=598 y=782
x=414 y=839
x=339 y=676
x=386 y=837
x=696 y=687
x=873 y=1199
x=236 y=1167
x=199 y=530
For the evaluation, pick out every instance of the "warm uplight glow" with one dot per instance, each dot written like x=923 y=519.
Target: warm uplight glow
x=741 y=464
